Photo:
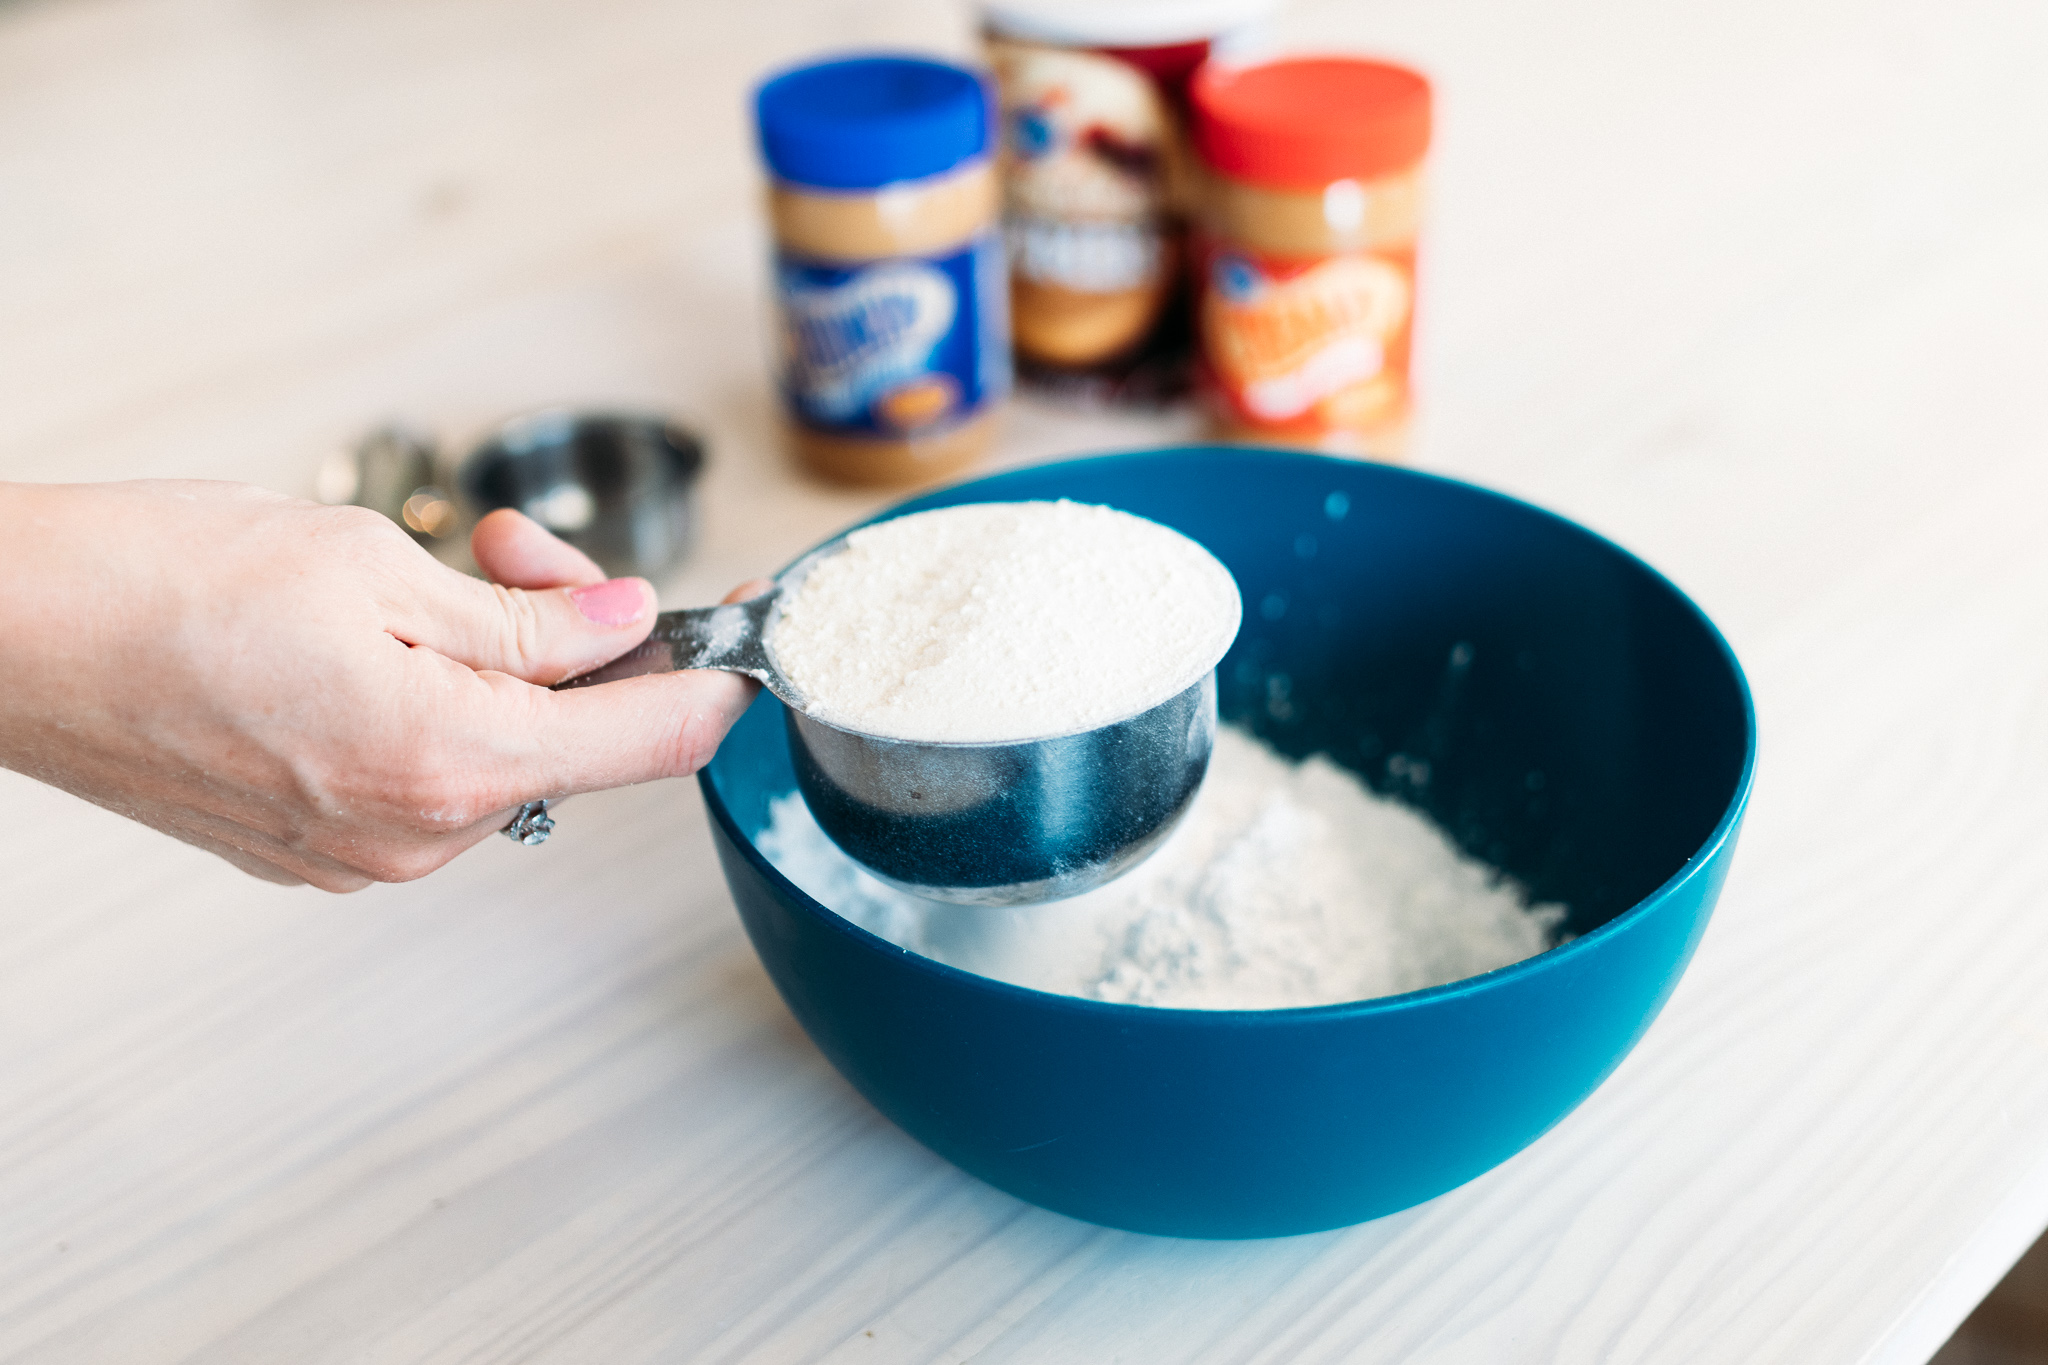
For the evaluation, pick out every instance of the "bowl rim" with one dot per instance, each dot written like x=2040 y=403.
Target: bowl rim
x=1549 y=959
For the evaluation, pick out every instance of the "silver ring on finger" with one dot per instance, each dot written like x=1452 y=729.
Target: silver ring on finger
x=531 y=825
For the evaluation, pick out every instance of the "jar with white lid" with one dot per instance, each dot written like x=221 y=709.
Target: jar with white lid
x=1097 y=187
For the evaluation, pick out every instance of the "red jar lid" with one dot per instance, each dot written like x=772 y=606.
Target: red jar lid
x=1302 y=123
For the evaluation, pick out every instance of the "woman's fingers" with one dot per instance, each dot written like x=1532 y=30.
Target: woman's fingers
x=636 y=730
x=517 y=551
x=528 y=742
x=536 y=635
x=548 y=614
x=305 y=692
x=616 y=734
x=492 y=740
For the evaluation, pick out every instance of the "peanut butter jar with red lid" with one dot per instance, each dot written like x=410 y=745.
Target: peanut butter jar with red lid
x=1309 y=209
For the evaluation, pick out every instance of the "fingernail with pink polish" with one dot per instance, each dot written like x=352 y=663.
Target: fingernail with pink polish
x=614 y=602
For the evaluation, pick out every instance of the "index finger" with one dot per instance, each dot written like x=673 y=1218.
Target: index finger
x=615 y=734
x=636 y=730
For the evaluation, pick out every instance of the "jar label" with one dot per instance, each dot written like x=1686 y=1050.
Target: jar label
x=897 y=347
x=1086 y=137
x=1088 y=258
x=1096 y=178
x=1308 y=345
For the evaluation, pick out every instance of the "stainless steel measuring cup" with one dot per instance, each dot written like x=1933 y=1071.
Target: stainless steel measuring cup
x=616 y=485
x=1006 y=823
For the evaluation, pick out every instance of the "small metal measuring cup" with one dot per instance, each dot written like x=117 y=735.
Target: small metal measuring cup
x=1007 y=823
x=616 y=485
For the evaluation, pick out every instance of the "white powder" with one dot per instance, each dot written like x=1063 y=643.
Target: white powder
x=1286 y=885
x=1004 y=621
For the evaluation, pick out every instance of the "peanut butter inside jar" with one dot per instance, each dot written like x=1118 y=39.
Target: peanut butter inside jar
x=893 y=357
x=1310 y=211
x=929 y=218
x=1094 y=175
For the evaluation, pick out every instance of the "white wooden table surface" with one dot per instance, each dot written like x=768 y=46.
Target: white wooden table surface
x=1758 y=287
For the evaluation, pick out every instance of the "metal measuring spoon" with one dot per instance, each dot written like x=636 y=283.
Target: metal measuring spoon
x=1015 y=822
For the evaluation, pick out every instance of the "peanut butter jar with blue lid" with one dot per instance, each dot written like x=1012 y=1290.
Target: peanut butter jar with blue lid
x=891 y=291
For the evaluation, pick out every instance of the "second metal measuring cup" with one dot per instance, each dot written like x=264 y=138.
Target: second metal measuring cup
x=1007 y=823
x=616 y=485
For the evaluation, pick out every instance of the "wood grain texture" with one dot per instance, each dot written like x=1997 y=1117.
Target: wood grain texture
x=1756 y=288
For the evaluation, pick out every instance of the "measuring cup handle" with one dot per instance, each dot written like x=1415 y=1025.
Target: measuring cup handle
x=730 y=637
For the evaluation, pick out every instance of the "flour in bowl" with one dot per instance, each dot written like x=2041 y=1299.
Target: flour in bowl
x=1286 y=885
x=1004 y=621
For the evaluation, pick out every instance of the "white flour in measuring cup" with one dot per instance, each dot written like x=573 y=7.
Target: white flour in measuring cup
x=992 y=622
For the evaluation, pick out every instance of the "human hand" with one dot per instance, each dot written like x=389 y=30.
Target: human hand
x=305 y=691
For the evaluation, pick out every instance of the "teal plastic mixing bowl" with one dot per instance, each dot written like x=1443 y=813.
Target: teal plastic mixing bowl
x=1558 y=707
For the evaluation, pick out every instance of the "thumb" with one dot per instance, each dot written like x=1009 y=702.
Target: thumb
x=537 y=635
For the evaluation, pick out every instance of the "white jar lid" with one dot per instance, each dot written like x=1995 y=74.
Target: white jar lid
x=1121 y=23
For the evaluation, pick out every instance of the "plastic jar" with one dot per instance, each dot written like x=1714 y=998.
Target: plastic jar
x=1310 y=207
x=889 y=278
x=1097 y=185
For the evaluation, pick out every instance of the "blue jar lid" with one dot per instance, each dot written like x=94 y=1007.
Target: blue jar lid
x=864 y=122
